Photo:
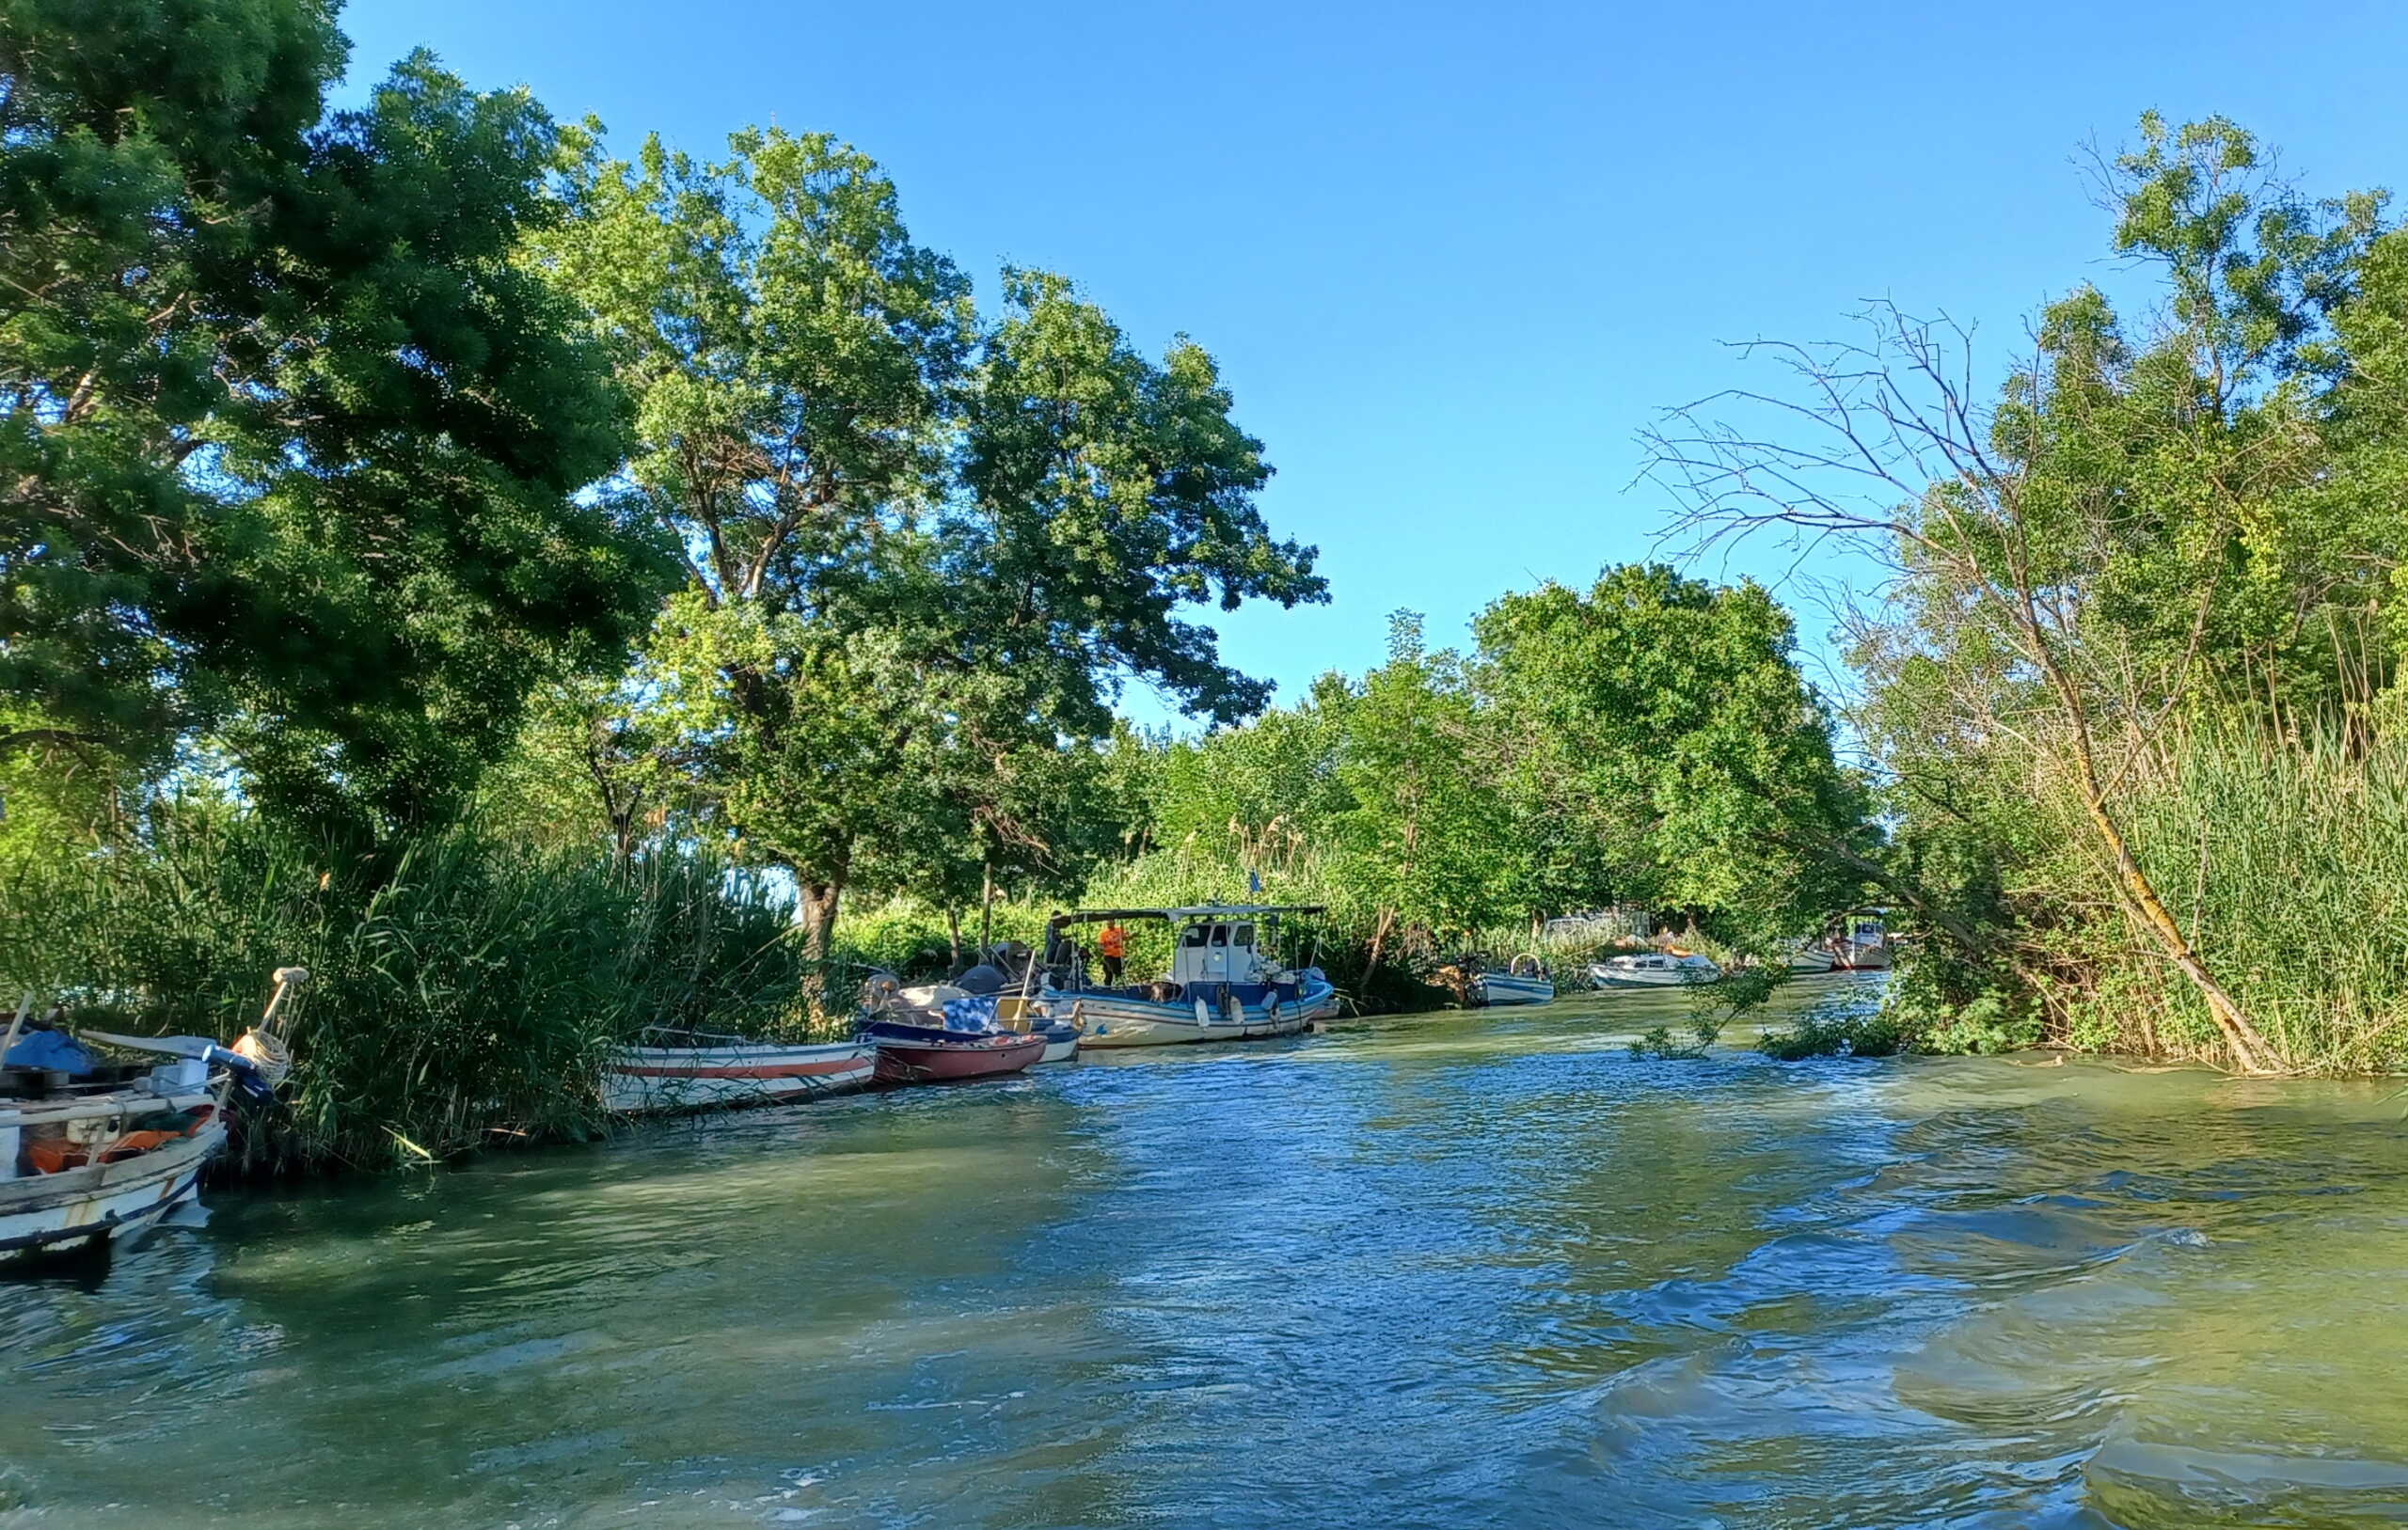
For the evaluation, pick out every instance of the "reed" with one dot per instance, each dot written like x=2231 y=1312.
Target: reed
x=2286 y=854
x=462 y=989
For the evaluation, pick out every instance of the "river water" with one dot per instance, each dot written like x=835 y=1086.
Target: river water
x=1461 y=1272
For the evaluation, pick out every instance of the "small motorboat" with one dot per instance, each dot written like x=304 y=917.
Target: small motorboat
x=93 y=1155
x=672 y=1070
x=1491 y=989
x=1061 y=1041
x=1028 y=1016
x=1806 y=961
x=1475 y=986
x=1653 y=969
x=939 y=1033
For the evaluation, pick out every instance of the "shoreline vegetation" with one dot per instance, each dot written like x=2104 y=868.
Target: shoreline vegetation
x=548 y=595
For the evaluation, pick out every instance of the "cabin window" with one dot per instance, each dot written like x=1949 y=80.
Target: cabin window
x=1220 y=935
x=1244 y=935
x=1196 y=936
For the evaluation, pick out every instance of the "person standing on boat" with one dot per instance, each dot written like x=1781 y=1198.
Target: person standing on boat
x=1113 y=946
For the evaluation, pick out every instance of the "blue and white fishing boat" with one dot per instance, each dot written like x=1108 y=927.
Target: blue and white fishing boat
x=1223 y=985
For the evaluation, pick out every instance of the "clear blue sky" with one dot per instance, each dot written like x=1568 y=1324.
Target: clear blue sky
x=1452 y=258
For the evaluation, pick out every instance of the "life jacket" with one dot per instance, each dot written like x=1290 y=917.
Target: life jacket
x=1113 y=942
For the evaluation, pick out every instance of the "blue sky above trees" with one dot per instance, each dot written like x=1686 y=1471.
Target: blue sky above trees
x=1452 y=258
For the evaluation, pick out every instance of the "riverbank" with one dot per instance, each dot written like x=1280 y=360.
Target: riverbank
x=1190 y=1286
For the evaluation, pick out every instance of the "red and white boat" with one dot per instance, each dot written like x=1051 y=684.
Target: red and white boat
x=910 y=1053
x=711 y=1072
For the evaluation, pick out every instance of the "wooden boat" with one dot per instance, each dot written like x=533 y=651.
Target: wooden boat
x=909 y=1052
x=1222 y=986
x=103 y=1161
x=1653 y=969
x=1807 y=961
x=97 y=1155
x=709 y=1072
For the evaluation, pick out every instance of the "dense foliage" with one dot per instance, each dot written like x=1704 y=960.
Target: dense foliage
x=2135 y=696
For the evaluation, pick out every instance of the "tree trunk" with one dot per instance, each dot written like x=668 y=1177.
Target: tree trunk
x=986 y=909
x=952 y=934
x=2251 y=1052
x=1378 y=943
x=819 y=901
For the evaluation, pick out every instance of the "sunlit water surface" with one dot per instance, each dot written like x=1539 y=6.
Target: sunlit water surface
x=1477 y=1271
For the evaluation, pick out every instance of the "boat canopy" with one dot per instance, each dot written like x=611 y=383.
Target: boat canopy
x=1208 y=910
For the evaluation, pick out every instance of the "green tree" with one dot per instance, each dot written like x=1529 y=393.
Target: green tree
x=291 y=446
x=1663 y=748
x=2142 y=535
x=921 y=551
x=1420 y=842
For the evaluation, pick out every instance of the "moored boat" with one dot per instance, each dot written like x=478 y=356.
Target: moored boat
x=1653 y=969
x=95 y=1153
x=914 y=1053
x=702 y=1071
x=1222 y=985
x=1806 y=961
x=1493 y=989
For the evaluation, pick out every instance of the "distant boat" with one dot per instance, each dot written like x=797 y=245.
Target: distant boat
x=1492 y=989
x=1653 y=969
x=1862 y=946
x=1805 y=961
x=1222 y=986
x=712 y=1072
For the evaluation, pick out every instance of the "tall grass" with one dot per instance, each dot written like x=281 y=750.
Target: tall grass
x=461 y=993
x=2287 y=858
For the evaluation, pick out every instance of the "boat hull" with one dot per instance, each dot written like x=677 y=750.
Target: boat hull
x=644 y=1080
x=1857 y=959
x=943 y=1060
x=1604 y=975
x=1111 y=1020
x=78 y=1211
x=1495 y=989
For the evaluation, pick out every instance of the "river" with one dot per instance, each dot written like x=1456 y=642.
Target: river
x=1458 y=1272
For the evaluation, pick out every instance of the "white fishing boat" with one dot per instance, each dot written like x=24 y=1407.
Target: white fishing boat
x=1862 y=945
x=1653 y=969
x=1492 y=989
x=672 y=1070
x=1222 y=985
x=95 y=1153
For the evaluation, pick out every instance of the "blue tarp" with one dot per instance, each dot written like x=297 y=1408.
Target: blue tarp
x=970 y=1014
x=49 y=1050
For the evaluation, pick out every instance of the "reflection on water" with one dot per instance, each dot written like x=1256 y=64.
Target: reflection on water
x=1479 y=1270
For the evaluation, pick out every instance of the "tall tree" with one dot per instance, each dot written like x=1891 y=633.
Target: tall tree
x=917 y=547
x=1421 y=839
x=290 y=446
x=1657 y=728
x=2135 y=532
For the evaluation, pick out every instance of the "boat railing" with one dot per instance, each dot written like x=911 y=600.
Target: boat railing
x=714 y=1039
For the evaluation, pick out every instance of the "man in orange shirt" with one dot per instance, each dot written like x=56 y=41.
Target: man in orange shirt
x=1112 y=945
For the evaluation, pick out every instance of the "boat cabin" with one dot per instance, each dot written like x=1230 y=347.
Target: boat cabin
x=1215 y=951
x=1213 y=945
